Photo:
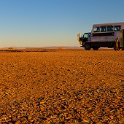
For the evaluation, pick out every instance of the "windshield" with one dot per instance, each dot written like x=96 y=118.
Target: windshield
x=86 y=35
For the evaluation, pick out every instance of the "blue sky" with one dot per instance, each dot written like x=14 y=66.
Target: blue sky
x=39 y=23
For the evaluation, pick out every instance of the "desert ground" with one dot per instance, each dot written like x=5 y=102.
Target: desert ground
x=62 y=87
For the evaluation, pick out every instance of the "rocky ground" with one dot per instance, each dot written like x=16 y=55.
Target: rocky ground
x=62 y=87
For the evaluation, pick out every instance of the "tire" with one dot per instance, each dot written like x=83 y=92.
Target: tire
x=87 y=47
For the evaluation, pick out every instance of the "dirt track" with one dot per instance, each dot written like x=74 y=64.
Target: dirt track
x=62 y=87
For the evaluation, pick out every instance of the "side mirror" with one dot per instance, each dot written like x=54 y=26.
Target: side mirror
x=78 y=36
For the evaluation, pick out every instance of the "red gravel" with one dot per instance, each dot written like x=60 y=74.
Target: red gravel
x=62 y=87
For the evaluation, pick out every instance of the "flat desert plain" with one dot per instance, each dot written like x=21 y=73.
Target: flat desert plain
x=62 y=87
